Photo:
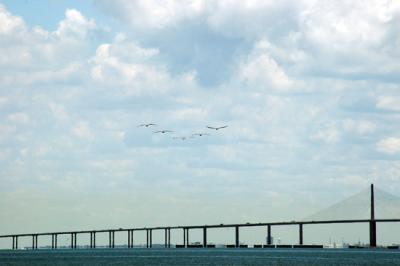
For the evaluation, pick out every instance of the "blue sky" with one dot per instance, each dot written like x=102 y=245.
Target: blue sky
x=309 y=89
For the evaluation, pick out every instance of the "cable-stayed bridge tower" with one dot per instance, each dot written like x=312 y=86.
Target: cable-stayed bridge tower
x=372 y=223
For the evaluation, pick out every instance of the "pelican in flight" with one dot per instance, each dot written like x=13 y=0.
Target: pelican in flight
x=146 y=125
x=163 y=131
x=200 y=134
x=217 y=128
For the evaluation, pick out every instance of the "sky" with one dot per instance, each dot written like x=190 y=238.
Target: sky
x=310 y=91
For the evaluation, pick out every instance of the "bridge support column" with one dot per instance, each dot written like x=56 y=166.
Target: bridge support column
x=204 y=237
x=113 y=239
x=15 y=242
x=72 y=240
x=269 y=237
x=169 y=237
x=34 y=241
x=54 y=241
x=151 y=238
x=184 y=237
x=129 y=238
x=372 y=234
x=92 y=239
x=147 y=238
x=237 y=236
x=165 y=238
x=187 y=237
x=300 y=234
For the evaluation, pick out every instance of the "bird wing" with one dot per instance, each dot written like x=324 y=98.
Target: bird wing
x=211 y=127
x=222 y=127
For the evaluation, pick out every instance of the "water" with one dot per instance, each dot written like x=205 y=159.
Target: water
x=200 y=257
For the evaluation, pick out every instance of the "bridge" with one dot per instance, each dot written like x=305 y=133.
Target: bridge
x=372 y=222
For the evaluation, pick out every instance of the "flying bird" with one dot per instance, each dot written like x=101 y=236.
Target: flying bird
x=163 y=131
x=200 y=134
x=146 y=125
x=217 y=128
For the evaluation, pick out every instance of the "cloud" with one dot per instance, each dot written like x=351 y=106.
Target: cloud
x=10 y=24
x=391 y=103
x=19 y=118
x=389 y=145
x=154 y=14
x=328 y=135
x=362 y=36
x=110 y=69
x=135 y=69
x=82 y=130
x=34 y=55
x=259 y=70
x=74 y=26
x=359 y=127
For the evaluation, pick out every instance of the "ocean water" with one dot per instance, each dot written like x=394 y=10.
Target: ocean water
x=217 y=256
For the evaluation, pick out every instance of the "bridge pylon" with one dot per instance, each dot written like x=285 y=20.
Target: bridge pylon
x=372 y=222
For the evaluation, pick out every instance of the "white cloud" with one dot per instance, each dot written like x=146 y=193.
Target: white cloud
x=359 y=127
x=9 y=24
x=34 y=55
x=82 y=130
x=112 y=69
x=328 y=135
x=74 y=26
x=340 y=38
x=3 y=101
x=67 y=73
x=259 y=70
x=19 y=118
x=389 y=145
x=136 y=70
x=155 y=14
x=58 y=111
x=388 y=103
x=190 y=114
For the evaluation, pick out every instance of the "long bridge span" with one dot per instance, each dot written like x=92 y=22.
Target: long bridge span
x=186 y=229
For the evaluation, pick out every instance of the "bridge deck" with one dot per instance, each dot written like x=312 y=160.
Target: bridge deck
x=204 y=226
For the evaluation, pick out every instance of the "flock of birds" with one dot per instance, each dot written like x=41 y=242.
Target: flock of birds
x=164 y=131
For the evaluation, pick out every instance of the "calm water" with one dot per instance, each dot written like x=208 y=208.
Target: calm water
x=200 y=257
